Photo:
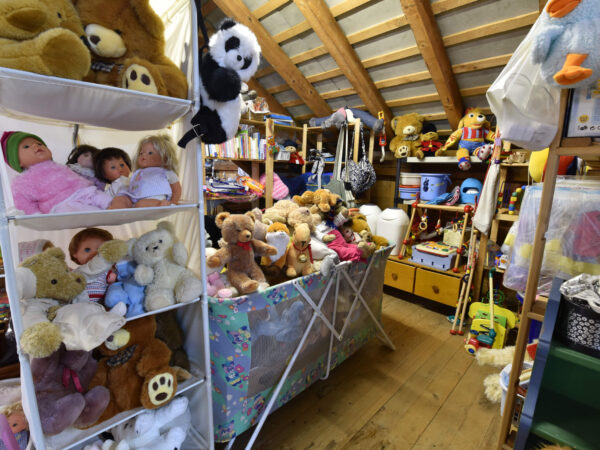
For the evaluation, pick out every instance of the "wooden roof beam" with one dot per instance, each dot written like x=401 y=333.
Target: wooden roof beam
x=429 y=40
x=273 y=53
x=441 y=6
x=268 y=7
x=321 y=19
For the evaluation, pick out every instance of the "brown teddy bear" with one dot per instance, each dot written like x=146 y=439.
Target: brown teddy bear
x=303 y=215
x=128 y=47
x=135 y=369
x=299 y=260
x=238 y=253
x=407 y=140
x=319 y=201
x=360 y=225
x=43 y=36
x=279 y=212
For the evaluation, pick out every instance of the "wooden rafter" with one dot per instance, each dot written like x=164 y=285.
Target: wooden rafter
x=429 y=40
x=268 y=7
x=472 y=34
x=471 y=66
x=416 y=100
x=208 y=7
x=274 y=105
x=273 y=53
x=325 y=26
x=337 y=10
x=374 y=31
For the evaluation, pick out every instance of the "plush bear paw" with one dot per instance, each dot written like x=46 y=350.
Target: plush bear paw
x=249 y=286
x=187 y=289
x=158 y=298
x=402 y=151
x=41 y=340
x=138 y=78
x=159 y=388
x=113 y=251
x=58 y=45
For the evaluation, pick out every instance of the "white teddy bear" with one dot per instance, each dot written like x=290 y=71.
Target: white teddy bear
x=158 y=429
x=161 y=268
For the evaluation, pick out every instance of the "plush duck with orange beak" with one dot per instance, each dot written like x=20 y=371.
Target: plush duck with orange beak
x=567 y=45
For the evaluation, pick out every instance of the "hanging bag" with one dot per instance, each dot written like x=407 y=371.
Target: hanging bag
x=337 y=185
x=525 y=106
x=361 y=175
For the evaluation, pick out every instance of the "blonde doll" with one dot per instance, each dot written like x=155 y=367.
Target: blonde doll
x=154 y=181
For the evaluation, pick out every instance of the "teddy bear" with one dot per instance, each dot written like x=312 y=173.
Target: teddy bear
x=406 y=142
x=43 y=36
x=299 y=260
x=319 y=201
x=134 y=366
x=45 y=287
x=260 y=228
x=360 y=224
x=162 y=428
x=169 y=331
x=127 y=43
x=126 y=289
x=279 y=212
x=161 y=261
x=61 y=383
x=430 y=143
x=472 y=133
x=238 y=253
x=278 y=235
x=217 y=284
x=303 y=215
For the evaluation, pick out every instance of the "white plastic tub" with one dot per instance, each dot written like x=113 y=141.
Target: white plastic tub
x=392 y=224
x=410 y=179
x=504 y=378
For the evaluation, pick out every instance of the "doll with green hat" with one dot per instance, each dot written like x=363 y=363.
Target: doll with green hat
x=43 y=186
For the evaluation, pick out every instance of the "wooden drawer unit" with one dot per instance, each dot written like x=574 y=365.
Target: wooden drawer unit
x=436 y=286
x=399 y=276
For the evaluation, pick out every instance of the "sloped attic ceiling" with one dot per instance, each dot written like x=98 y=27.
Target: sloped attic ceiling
x=372 y=55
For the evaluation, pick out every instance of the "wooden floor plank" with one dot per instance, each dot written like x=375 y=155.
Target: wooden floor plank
x=419 y=396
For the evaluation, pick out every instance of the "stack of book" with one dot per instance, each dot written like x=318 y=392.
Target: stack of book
x=281 y=119
x=246 y=145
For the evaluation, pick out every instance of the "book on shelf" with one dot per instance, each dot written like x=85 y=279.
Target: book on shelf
x=281 y=119
x=246 y=145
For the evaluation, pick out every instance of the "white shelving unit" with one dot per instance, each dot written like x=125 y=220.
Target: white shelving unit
x=56 y=110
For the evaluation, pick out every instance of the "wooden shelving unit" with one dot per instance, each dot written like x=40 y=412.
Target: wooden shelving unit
x=529 y=302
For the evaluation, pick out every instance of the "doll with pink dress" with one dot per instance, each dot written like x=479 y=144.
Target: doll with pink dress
x=348 y=245
x=44 y=186
x=154 y=181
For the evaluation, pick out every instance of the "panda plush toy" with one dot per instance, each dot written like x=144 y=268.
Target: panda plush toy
x=232 y=58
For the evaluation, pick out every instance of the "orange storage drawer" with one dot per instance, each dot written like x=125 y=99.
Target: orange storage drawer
x=437 y=286
x=399 y=276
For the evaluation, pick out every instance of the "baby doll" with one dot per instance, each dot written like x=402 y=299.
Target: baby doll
x=98 y=272
x=81 y=161
x=346 y=244
x=154 y=181
x=44 y=186
x=113 y=167
x=18 y=424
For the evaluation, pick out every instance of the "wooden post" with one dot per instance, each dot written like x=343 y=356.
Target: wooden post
x=304 y=144
x=356 y=140
x=269 y=131
x=462 y=239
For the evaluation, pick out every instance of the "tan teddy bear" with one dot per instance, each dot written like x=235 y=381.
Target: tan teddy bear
x=238 y=253
x=279 y=212
x=319 y=201
x=407 y=141
x=128 y=47
x=299 y=259
x=360 y=225
x=43 y=36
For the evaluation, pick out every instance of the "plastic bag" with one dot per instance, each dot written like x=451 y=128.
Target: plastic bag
x=525 y=106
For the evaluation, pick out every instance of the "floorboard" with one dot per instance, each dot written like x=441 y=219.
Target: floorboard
x=427 y=394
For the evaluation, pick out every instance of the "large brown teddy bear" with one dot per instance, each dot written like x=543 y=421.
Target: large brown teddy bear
x=407 y=141
x=43 y=36
x=128 y=47
x=238 y=252
x=135 y=369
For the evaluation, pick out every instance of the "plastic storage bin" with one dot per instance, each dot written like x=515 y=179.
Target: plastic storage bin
x=410 y=179
x=433 y=185
x=408 y=192
x=372 y=213
x=392 y=224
